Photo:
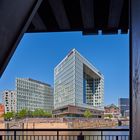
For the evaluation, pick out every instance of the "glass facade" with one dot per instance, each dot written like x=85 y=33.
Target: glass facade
x=88 y=89
x=123 y=105
x=64 y=82
x=32 y=94
x=77 y=82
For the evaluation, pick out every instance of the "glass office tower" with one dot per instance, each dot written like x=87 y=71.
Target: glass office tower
x=123 y=105
x=77 y=82
x=33 y=94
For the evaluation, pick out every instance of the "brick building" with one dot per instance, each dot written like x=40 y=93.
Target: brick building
x=113 y=110
x=76 y=111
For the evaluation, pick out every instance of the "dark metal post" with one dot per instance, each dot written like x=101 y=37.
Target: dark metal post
x=57 y=135
x=101 y=135
x=80 y=137
x=116 y=137
x=14 y=134
x=0 y=137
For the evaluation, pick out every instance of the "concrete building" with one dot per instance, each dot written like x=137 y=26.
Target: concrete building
x=112 y=110
x=33 y=94
x=123 y=105
x=78 y=83
x=9 y=100
x=126 y=113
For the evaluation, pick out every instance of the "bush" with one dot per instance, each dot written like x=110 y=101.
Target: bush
x=109 y=116
x=22 y=113
x=88 y=114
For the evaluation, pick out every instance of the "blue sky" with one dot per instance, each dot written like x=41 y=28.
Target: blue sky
x=38 y=54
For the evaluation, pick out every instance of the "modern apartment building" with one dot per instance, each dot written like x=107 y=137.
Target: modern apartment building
x=123 y=105
x=9 y=100
x=33 y=94
x=78 y=83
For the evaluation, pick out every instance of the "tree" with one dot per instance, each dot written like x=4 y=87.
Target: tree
x=48 y=114
x=29 y=113
x=22 y=113
x=41 y=113
x=87 y=114
x=109 y=116
x=9 y=115
x=36 y=113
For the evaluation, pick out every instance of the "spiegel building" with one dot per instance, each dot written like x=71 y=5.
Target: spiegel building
x=33 y=94
x=77 y=83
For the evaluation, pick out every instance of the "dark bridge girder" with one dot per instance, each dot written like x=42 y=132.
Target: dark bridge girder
x=88 y=16
x=15 y=18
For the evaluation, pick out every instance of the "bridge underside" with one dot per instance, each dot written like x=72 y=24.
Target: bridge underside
x=88 y=16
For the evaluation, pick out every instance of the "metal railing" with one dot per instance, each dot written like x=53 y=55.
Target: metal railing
x=64 y=134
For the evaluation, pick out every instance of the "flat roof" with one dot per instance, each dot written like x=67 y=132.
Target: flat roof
x=36 y=81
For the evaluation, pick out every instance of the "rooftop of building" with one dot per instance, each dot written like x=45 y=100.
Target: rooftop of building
x=111 y=106
x=84 y=107
x=123 y=98
x=92 y=66
x=36 y=81
x=9 y=90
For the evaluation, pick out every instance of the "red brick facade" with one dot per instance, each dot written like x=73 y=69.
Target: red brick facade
x=112 y=109
x=1 y=109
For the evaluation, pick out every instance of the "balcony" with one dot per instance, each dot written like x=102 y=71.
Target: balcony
x=64 y=134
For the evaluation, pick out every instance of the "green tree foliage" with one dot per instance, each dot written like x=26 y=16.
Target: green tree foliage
x=48 y=114
x=88 y=114
x=22 y=113
x=9 y=115
x=27 y=113
x=41 y=113
x=109 y=116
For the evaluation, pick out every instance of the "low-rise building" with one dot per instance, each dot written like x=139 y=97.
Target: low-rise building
x=126 y=114
x=112 y=110
x=76 y=111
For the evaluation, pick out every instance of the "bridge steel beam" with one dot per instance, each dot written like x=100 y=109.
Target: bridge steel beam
x=15 y=17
